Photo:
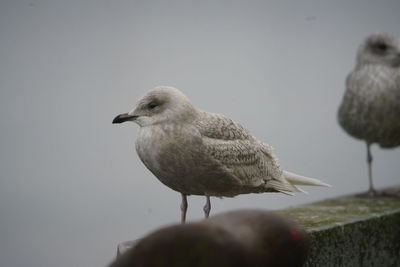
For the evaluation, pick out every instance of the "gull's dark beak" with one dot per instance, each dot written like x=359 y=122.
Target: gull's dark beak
x=124 y=117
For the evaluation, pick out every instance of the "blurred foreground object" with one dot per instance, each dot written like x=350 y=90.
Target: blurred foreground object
x=370 y=109
x=237 y=238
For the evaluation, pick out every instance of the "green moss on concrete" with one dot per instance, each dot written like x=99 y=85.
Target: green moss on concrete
x=341 y=210
x=373 y=241
x=352 y=231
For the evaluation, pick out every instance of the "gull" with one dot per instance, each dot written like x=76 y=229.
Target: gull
x=195 y=152
x=370 y=109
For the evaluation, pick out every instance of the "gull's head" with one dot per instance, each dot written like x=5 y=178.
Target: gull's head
x=380 y=49
x=162 y=104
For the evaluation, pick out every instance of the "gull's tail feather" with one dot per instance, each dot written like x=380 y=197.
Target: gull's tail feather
x=296 y=179
x=301 y=190
x=284 y=187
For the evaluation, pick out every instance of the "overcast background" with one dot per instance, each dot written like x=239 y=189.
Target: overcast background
x=71 y=184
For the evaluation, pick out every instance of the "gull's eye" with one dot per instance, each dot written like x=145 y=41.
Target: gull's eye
x=152 y=105
x=381 y=47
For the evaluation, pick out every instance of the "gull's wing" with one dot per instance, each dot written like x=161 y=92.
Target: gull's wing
x=245 y=158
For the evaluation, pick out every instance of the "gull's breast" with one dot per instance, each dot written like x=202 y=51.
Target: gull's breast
x=178 y=158
x=171 y=154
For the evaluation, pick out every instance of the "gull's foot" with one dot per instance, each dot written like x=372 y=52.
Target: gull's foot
x=379 y=194
x=372 y=193
x=391 y=193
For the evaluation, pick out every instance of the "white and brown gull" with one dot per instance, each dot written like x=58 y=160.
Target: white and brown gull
x=370 y=109
x=200 y=153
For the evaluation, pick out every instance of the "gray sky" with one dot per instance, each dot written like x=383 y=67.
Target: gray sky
x=71 y=184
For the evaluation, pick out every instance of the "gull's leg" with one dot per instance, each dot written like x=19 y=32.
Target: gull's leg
x=371 y=191
x=184 y=206
x=207 y=207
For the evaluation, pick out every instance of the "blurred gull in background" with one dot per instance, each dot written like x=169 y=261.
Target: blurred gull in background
x=370 y=109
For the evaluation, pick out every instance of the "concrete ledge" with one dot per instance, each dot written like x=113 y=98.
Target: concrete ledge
x=352 y=231
x=347 y=231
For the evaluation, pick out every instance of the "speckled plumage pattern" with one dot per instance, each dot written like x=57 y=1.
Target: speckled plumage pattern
x=210 y=156
x=370 y=109
x=200 y=153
